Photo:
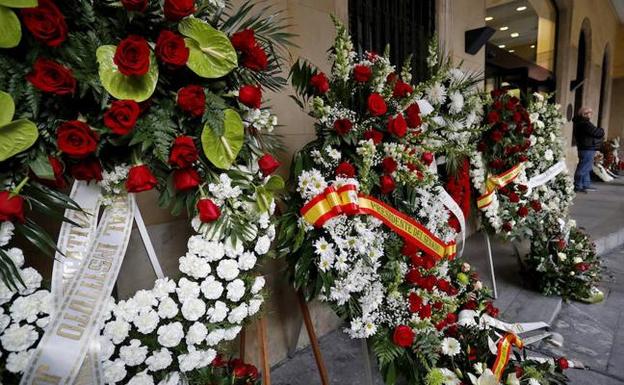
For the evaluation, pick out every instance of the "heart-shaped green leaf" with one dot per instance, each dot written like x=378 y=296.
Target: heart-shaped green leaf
x=16 y=137
x=41 y=167
x=222 y=149
x=263 y=198
x=19 y=3
x=275 y=183
x=7 y=108
x=120 y=86
x=10 y=28
x=211 y=53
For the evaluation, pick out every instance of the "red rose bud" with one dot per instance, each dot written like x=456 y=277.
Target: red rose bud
x=343 y=126
x=87 y=170
x=386 y=184
x=268 y=164
x=11 y=207
x=251 y=96
x=132 y=56
x=362 y=73
x=497 y=93
x=493 y=117
x=415 y=302
x=389 y=165
x=46 y=23
x=76 y=139
x=192 y=99
x=413 y=116
x=425 y=311
x=440 y=325
x=397 y=126
x=122 y=116
x=140 y=178
x=427 y=158
x=375 y=135
x=523 y=211
x=134 y=5
x=255 y=59
x=582 y=267
x=561 y=244
x=563 y=363
x=244 y=40
x=320 y=83
x=183 y=153
x=208 y=211
x=171 y=49
x=178 y=9
x=376 y=105
x=49 y=76
x=346 y=170
x=186 y=179
x=402 y=89
x=403 y=336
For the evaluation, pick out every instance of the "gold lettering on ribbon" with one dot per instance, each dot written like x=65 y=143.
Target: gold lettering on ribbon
x=43 y=377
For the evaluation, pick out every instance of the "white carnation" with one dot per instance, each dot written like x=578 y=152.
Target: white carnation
x=32 y=280
x=6 y=232
x=215 y=336
x=258 y=284
x=146 y=321
x=27 y=307
x=126 y=310
x=193 y=308
x=190 y=360
x=187 y=289
x=211 y=288
x=194 y=266
x=238 y=314
x=231 y=333
x=5 y=320
x=17 y=362
x=141 y=379
x=247 y=261
x=163 y=287
x=235 y=290
x=218 y=312
x=114 y=371
x=196 y=333
x=262 y=245
x=254 y=306
x=117 y=331
x=107 y=348
x=227 y=269
x=170 y=335
x=18 y=338
x=144 y=299
x=168 y=308
x=233 y=248
x=16 y=255
x=159 y=360
x=133 y=354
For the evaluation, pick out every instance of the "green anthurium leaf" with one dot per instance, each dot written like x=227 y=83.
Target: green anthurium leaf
x=10 y=28
x=222 y=149
x=275 y=183
x=41 y=167
x=16 y=137
x=211 y=53
x=19 y=3
x=7 y=108
x=263 y=198
x=120 y=86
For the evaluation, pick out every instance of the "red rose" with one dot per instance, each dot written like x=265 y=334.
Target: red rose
x=563 y=363
x=376 y=105
x=343 y=126
x=403 y=336
x=397 y=126
x=122 y=116
x=132 y=56
x=413 y=276
x=451 y=318
x=493 y=117
x=58 y=169
x=415 y=302
x=402 y=89
x=498 y=105
x=186 y=179
x=11 y=207
x=497 y=92
x=171 y=49
x=140 y=178
x=391 y=78
x=427 y=158
x=218 y=361
x=523 y=211
x=46 y=23
x=517 y=117
x=507 y=226
x=425 y=311
x=386 y=184
x=255 y=58
x=208 y=211
x=362 y=73
x=375 y=135
x=582 y=267
x=496 y=136
x=444 y=285
x=49 y=76
x=183 y=153
x=413 y=116
x=470 y=305
x=244 y=40
x=389 y=165
x=268 y=164
x=252 y=371
x=177 y=9
x=88 y=169
x=251 y=96
x=320 y=83
x=192 y=99
x=513 y=197
x=409 y=249
x=240 y=370
x=346 y=170
x=76 y=139
x=536 y=205
x=561 y=244
x=134 y=5
x=491 y=309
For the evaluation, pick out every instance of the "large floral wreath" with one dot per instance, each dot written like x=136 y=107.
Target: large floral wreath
x=136 y=95
x=366 y=229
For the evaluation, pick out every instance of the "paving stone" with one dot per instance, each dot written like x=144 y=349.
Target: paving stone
x=587 y=377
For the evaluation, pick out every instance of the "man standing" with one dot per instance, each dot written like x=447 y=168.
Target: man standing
x=588 y=139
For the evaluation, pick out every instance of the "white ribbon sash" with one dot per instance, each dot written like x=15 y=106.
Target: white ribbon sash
x=450 y=204
x=546 y=176
x=467 y=317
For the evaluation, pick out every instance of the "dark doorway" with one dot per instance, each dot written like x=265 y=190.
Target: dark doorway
x=580 y=72
x=603 y=87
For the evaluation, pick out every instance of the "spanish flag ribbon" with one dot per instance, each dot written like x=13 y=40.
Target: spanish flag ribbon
x=496 y=182
x=505 y=347
x=346 y=200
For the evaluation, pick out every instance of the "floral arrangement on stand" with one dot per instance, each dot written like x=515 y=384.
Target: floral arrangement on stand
x=365 y=229
x=139 y=95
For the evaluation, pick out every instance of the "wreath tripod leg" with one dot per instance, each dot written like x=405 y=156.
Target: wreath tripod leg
x=264 y=351
x=318 y=357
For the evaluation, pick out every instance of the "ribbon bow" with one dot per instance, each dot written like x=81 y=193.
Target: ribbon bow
x=505 y=346
x=346 y=200
x=496 y=182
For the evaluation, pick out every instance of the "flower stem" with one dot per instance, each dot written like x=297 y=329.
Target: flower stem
x=19 y=187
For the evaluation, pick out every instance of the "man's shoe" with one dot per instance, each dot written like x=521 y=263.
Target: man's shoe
x=590 y=189
x=580 y=190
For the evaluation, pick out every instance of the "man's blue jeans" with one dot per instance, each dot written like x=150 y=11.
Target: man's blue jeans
x=582 y=176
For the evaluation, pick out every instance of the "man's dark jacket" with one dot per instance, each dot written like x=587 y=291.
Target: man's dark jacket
x=588 y=136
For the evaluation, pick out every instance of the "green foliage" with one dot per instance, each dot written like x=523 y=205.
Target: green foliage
x=157 y=131
x=211 y=53
x=222 y=148
x=10 y=29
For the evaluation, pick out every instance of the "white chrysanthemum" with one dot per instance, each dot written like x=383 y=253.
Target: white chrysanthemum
x=450 y=346
x=193 y=308
x=142 y=379
x=247 y=261
x=194 y=266
x=238 y=314
x=18 y=338
x=532 y=381
x=450 y=378
x=170 y=335
x=168 y=308
x=323 y=248
x=187 y=289
x=133 y=354
x=436 y=94
x=311 y=183
x=146 y=321
x=457 y=102
x=16 y=255
x=163 y=287
x=114 y=371
x=235 y=290
x=159 y=360
x=262 y=245
x=211 y=288
x=6 y=232
x=227 y=269
x=17 y=362
x=215 y=336
x=257 y=285
x=117 y=331
x=196 y=333
x=218 y=312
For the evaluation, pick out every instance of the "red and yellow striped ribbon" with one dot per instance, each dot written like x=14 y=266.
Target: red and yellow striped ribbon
x=505 y=347
x=346 y=200
x=496 y=182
